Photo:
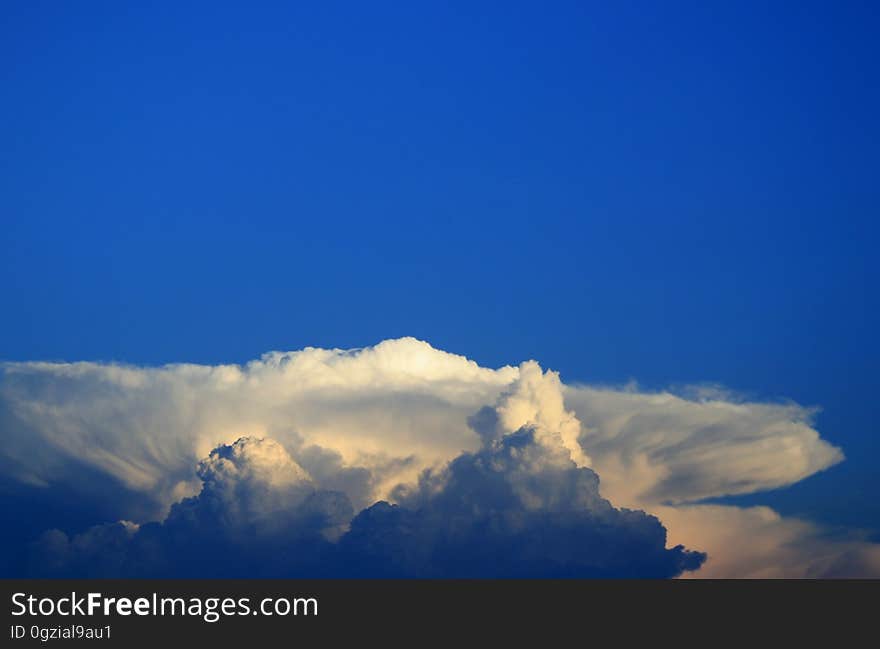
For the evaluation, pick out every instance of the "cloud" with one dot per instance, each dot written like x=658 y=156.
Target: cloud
x=372 y=423
x=379 y=408
x=758 y=543
x=662 y=447
x=518 y=507
x=536 y=401
x=258 y=514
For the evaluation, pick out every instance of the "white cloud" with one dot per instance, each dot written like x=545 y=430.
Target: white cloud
x=651 y=448
x=370 y=419
x=148 y=426
x=536 y=400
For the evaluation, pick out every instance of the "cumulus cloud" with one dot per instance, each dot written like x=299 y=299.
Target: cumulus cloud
x=392 y=409
x=258 y=514
x=519 y=506
x=384 y=423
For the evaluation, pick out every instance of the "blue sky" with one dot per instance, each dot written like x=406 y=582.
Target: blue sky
x=667 y=192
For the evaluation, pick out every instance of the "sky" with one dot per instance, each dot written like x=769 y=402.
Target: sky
x=658 y=194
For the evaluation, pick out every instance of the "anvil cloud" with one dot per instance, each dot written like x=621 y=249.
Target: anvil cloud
x=316 y=436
